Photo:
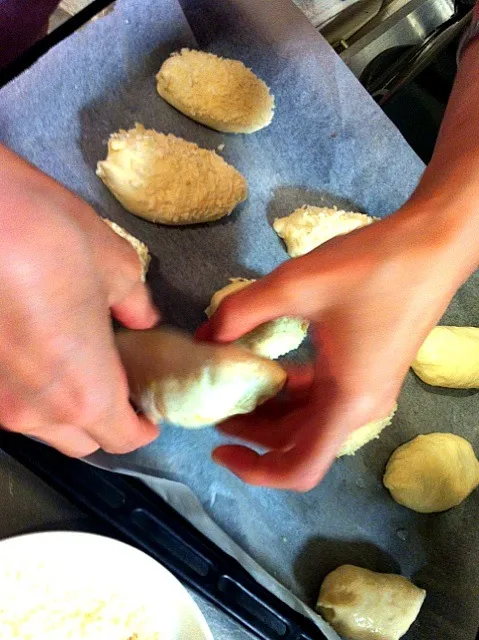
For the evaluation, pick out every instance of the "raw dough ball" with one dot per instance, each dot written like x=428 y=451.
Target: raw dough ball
x=308 y=227
x=189 y=384
x=361 y=604
x=432 y=473
x=139 y=246
x=449 y=357
x=220 y=93
x=271 y=339
x=365 y=434
x=166 y=179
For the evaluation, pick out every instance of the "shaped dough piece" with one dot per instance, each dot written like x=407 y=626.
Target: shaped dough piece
x=190 y=384
x=271 y=339
x=139 y=246
x=365 y=434
x=166 y=179
x=308 y=227
x=432 y=473
x=219 y=93
x=449 y=357
x=360 y=604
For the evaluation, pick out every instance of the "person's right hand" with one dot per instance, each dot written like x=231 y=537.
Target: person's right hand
x=62 y=273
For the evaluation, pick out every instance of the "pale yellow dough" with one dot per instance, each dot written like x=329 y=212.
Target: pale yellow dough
x=220 y=93
x=174 y=379
x=166 y=179
x=309 y=227
x=432 y=473
x=365 y=434
x=364 y=605
x=449 y=357
x=271 y=339
x=139 y=246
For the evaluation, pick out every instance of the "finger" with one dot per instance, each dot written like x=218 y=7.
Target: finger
x=269 y=426
x=127 y=432
x=300 y=378
x=298 y=468
x=136 y=310
x=69 y=440
x=264 y=300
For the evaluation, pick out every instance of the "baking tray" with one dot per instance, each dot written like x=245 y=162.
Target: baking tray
x=142 y=518
x=378 y=192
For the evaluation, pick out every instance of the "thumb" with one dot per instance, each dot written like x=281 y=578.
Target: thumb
x=241 y=312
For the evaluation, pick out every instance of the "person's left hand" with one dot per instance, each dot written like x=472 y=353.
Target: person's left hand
x=372 y=297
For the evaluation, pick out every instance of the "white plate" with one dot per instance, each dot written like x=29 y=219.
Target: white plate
x=46 y=566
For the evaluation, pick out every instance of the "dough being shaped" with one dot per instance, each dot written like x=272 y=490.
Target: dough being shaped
x=449 y=357
x=360 y=604
x=219 y=93
x=308 y=227
x=271 y=339
x=365 y=434
x=191 y=384
x=432 y=473
x=166 y=179
x=139 y=246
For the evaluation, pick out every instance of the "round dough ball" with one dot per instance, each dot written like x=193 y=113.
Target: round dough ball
x=449 y=357
x=191 y=384
x=271 y=339
x=219 y=93
x=365 y=434
x=166 y=179
x=361 y=604
x=432 y=473
x=139 y=246
x=308 y=227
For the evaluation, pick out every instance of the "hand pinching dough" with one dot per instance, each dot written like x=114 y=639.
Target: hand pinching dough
x=166 y=179
x=219 y=93
x=191 y=385
x=308 y=227
x=139 y=246
x=432 y=473
x=360 y=604
x=365 y=434
x=449 y=357
x=271 y=339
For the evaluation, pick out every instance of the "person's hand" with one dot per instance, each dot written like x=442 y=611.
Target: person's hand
x=372 y=297
x=62 y=271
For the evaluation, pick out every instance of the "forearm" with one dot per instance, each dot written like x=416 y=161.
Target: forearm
x=449 y=189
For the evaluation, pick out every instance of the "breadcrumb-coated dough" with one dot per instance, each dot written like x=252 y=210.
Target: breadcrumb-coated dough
x=432 y=473
x=220 y=93
x=139 y=246
x=449 y=357
x=166 y=179
x=271 y=339
x=309 y=227
x=190 y=384
x=365 y=434
x=365 y=605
